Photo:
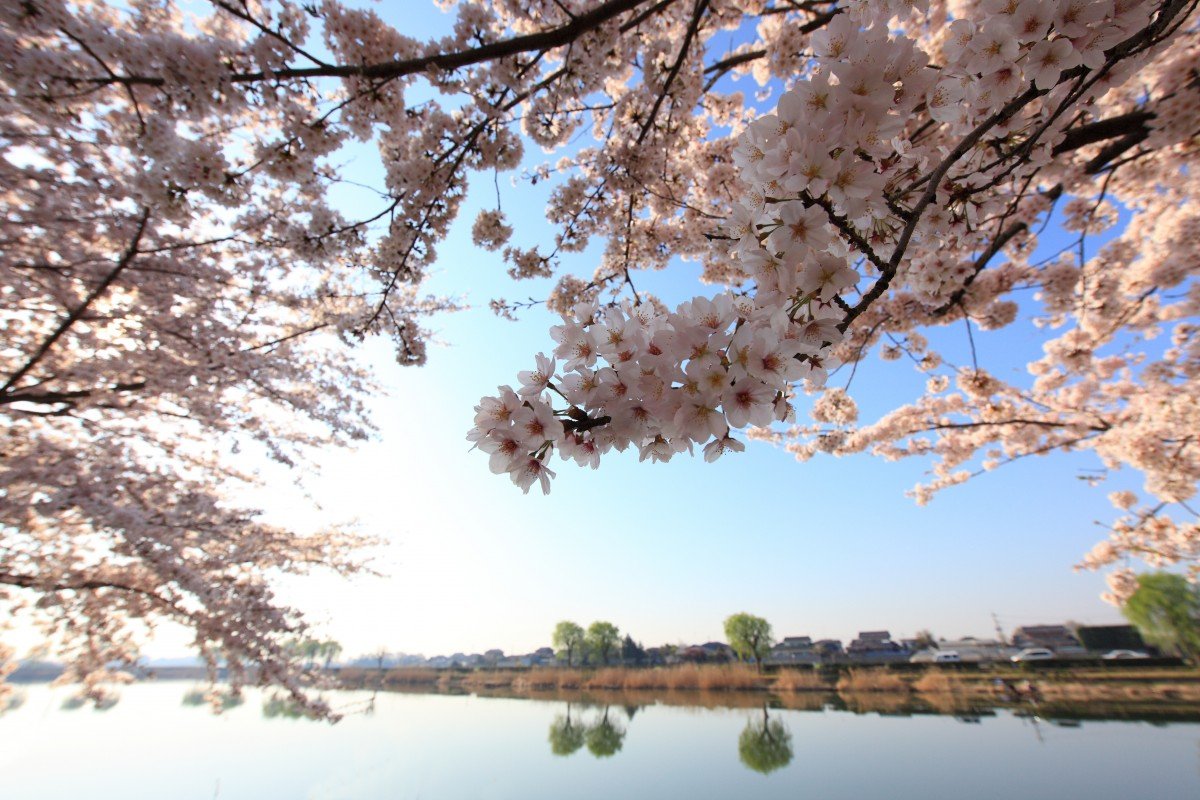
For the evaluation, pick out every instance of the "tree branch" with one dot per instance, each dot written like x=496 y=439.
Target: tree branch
x=1102 y=130
x=73 y=317
x=543 y=40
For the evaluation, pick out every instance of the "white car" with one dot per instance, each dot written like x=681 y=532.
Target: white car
x=1114 y=655
x=1033 y=654
x=947 y=657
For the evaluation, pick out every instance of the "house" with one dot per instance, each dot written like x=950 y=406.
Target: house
x=1102 y=638
x=510 y=662
x=542 y=656
x=718 y=651
x=876 y=647
x=1058 y=638
x=794 y=650
x=828 y=648
x=796 y=643
x=707 y=653
x=873 y=642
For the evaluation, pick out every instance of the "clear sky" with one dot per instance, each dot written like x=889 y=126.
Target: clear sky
x=666 y=552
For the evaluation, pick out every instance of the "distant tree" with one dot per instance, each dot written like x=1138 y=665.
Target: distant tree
x=330 y=650
x=380 y=657
x=1166 y=609
x=602 y=639
x=604 y=738
x=566 y=736
x=567 y=640
x=632 y=652
x=765 y=745
x=302 y=648
x=749 y=636
x=926 y=641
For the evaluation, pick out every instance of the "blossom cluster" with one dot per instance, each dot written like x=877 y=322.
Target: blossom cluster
x=662 y=382
x=836 y=185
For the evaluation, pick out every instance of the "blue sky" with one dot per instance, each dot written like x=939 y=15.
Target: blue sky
x=665 y=552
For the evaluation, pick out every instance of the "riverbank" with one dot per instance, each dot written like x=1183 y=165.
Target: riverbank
x=1001 y=682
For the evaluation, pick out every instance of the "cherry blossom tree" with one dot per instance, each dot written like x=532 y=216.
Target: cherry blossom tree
x=900 y=185
x=176 y=281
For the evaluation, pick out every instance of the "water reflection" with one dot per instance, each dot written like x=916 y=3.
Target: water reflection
x=416 y=745
x=765 y=744
x=604 y=737
x=220 y=700
x=78 y=701
x=566 y=736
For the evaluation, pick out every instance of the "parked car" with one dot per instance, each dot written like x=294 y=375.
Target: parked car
x=1033 y=654
x=1116 y=655
x=947 y=657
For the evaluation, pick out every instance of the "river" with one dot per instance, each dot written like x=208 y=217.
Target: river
x=153 y=744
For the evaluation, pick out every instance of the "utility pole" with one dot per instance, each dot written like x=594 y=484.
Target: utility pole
x=999 y=630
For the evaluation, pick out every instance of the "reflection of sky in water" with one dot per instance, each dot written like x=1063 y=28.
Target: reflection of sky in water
x=427 y=746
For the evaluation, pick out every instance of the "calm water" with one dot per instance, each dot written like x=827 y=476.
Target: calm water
x=152 y=745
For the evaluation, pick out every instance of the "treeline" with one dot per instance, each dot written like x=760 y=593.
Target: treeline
x=599 y=644
x=749 y=638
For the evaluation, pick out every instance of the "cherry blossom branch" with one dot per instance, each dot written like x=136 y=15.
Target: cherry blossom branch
x=542 y=40
x=693 y=27
x=124 y=261
x=997 y=244
x=1135 y=122
x=720 y=69
x=62 y=397
x=245 y=16
x=933 y=180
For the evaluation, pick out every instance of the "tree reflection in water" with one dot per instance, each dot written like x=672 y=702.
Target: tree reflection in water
x=566 y=736
x=766 y=744
x=603 y=737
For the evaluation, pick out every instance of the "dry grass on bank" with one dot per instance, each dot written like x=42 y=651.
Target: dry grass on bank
x=936 y=681
x=871 y=680
x=800 y=680
x=607 y=678
x=684 y=677
x=713 y=678
x=487 y=679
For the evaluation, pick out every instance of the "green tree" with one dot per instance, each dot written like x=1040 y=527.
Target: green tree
x=1166 y=609
x=632 y=652
x=566 y=736
x=604 y=738
x=602 y=639
x=765 y=745
x=749 y=636
x=567 y=640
